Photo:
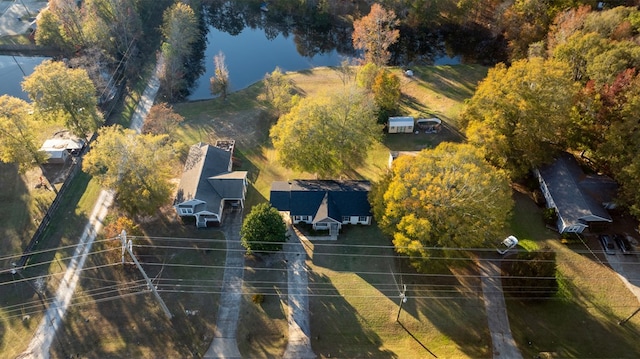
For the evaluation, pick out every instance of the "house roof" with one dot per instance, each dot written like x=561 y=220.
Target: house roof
x=577 y=196
x=322 y=199
x=207 y=177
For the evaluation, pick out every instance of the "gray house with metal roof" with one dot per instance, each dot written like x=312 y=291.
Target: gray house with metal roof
x=208 y=182
x=580 y=200
x=325 y=204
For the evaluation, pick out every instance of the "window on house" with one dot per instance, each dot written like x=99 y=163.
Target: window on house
x=362 y=219
x=186 y=210
x=346 y=218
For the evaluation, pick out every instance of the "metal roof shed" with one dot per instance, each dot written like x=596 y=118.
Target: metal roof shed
x=400 y=124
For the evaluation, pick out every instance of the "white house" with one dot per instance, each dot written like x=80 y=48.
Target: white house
x=579 y=199
x=400 y=124
x=208 y=183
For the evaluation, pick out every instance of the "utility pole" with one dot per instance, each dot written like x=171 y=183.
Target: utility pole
x=403 y=299
x=126 y=244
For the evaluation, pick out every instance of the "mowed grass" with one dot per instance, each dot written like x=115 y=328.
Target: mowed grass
x=582 y=320
x=355 y=286
x=353 y=314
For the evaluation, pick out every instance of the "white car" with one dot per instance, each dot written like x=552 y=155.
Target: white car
x=507 y=244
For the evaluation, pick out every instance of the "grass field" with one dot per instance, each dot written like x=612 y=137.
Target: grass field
x=354 y=282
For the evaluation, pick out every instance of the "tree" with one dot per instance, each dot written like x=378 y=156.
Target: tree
x=220 y=79
x=63 y=95
x=137 y=167
x=180 y=31
x=263 y=230
x=374 y=34
x=386 y=91
x=161 y=120
x=18 y=134
x=327 y=135
x=279 y=91
x=447 y=197
x=518 y=115
x=69 y=15
x=115 y=24
x=49 y=33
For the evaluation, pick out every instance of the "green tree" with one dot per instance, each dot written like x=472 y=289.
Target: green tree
x=578 y=50
x=279 y=91
x=519 y=115
x=366 y=75
x=374 y=34
x=137 y=167
x=386 y=91
x=70 y=17
x=49 y=33
x=180 y=31
x=446 y=197
x=327 y=135
x=263 y=230
x=161 y=120
x=18 y=134
x=220 y=79
x=64 y=95
x=114 y=24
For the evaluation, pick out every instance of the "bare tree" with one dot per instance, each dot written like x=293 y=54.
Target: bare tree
x=220 y=79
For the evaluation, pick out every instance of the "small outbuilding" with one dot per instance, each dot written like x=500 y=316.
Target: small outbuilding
x=400 y=124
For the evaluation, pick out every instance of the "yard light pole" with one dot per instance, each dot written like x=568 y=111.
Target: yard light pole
x=403 y=299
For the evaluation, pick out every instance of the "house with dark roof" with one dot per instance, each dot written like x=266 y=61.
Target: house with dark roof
x=208 y=183
x=580 y=200
x=325 y=204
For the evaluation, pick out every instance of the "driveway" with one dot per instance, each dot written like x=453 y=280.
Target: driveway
x=504 y=347
x=224 y=344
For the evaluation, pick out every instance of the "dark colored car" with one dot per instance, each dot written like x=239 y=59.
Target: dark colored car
x=607 y=244
x=623 y=243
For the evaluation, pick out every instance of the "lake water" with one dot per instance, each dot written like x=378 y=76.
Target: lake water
x=13 y=69
x=250 y=55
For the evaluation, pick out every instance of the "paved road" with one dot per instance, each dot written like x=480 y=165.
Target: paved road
x=225 y=344
x=12 y=12
x=299 y=344
x=44 y=335
x=504 y=347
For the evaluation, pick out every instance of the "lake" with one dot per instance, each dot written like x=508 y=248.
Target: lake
x=250 y=55
x=13 y=69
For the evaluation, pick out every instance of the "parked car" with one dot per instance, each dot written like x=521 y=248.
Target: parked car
x=507 y=244
x=623 y=243
x=607 y=244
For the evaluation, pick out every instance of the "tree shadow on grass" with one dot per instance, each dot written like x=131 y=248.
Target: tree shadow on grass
x=262 y=327
x=337 y=330
x=440 y=304
x=118 y=317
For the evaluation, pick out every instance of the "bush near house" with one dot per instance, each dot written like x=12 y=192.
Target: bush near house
x=530 y=275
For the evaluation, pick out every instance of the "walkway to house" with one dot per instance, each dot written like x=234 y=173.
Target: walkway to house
x=299 y=344
x=52 y=320
x=504 y=347
x=224 y=344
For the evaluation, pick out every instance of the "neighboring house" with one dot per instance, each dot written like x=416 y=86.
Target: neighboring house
x=59 y=149
x=580 y=200
x=400 y=125
x=326 y=205
x=393 y=155
x=208 y=183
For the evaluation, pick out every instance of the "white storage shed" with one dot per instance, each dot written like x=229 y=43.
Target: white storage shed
x=400 y=124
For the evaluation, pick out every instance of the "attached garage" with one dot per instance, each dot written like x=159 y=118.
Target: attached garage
x=400 y=125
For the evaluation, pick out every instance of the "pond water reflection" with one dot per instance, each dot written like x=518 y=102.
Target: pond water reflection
x=250 y=55
x=254 y=43
x=13 y=69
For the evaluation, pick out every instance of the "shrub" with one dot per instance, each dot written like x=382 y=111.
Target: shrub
x=550 y=216
x=257 y=298
x=531 y=275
